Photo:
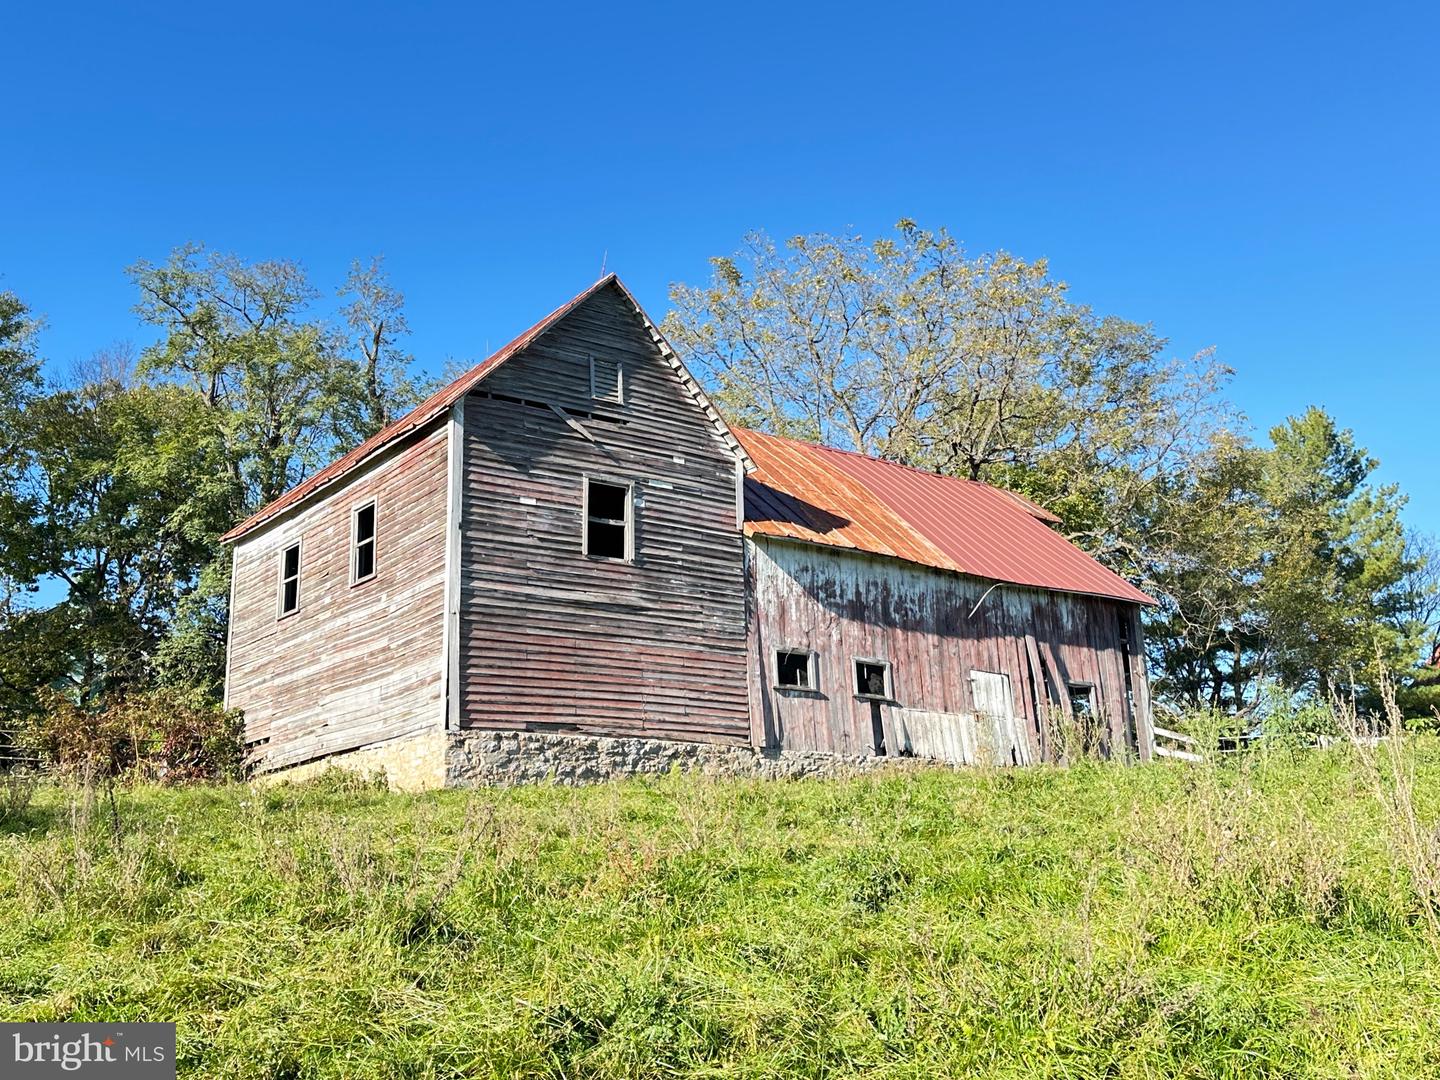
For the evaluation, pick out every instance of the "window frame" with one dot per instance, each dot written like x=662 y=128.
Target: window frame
x=812 y=668
x=373 y=504
x=299 y=548
x=1088 y=691
x=617 y=397
x=629 y=521
x=856 y=661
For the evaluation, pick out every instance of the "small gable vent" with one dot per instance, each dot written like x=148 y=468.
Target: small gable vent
x=607 y=380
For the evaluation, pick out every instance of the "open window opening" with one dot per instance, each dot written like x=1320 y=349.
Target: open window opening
x=607 y=380
x=795 y=669
x=872 y=679
x=362 y=548
x=1082 y=700
x=608 y=519
x=290 y=580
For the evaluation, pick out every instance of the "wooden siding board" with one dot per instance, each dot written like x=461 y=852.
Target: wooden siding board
x=846 y=604
x=550 y=637
x=355 y=664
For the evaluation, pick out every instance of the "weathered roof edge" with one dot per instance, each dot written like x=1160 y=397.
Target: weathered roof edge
x=866 y=553
x=937 y=558
x=441 y=401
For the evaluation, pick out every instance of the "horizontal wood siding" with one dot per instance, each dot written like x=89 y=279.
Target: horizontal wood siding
x=845 y=605
x=552 y=640
x=354 y=665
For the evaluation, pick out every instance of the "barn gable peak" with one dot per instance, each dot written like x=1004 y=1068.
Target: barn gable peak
x=440 y=403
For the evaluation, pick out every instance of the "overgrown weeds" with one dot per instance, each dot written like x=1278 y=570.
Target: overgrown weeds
x=1251 y=916
x=162 y=736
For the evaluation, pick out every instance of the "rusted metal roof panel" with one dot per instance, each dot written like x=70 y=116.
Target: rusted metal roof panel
x=817 y=494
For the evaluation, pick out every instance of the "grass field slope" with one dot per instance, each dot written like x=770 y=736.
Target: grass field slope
x=1272 y=916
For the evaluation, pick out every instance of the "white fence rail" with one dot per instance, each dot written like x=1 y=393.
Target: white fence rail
x=1179 y=752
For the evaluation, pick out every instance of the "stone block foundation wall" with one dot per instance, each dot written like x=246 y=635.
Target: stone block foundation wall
x=501 y=758
x=482 y=758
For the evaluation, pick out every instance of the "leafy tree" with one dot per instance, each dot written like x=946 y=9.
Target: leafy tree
x=1333 y=586
x=289 y=393
x=119 y=494
x=1420 y=603
x=19 y=370
x=907 y=348
x=1205 y=543
x=239 y=334
x=21 y=636
x=375 y=319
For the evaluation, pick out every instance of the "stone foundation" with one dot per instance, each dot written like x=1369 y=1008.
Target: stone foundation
x=483 y=758
x=411 y=763
x=502 y=758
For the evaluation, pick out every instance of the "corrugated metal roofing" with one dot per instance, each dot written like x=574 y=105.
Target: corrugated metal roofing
x=825 y=496
x=439 y=403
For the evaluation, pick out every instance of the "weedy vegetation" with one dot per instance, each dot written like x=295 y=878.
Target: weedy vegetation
x=1265 y=914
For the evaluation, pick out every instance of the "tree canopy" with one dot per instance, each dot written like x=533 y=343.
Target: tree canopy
x=1274 y=561
x=115 y=485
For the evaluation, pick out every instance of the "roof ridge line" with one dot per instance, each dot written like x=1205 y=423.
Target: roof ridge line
x=894 y=464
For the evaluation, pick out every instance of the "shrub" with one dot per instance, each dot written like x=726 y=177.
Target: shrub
x=163 y=735
x=17 y=789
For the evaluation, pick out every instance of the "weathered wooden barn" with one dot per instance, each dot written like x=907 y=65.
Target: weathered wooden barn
x=569 y=546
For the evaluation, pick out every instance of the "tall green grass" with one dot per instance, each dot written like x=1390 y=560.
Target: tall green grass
x=1252 y=918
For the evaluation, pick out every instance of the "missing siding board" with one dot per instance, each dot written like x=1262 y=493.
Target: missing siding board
x=290 y=580
x=872 y=678
x=607 y=380
x=795 y=669
x=608 y=520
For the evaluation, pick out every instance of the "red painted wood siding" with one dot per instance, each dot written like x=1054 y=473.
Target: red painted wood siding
x=845 y=605
x=356 y=664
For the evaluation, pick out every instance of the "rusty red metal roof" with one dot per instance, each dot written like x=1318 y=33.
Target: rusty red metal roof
x=439 y=403
x=820 y=495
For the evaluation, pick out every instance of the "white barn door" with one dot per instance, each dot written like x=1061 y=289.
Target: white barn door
x=999 y=732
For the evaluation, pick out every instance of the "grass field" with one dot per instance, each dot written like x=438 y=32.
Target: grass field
x=1266 y=917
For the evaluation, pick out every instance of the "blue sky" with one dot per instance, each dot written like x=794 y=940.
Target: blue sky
x=1258 y=178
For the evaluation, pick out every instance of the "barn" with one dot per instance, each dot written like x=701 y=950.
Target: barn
x=568 y=563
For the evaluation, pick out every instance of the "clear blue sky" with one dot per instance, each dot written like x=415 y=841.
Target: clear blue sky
x=1260 y=178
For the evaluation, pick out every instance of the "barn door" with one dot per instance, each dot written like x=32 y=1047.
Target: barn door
x=998 y=731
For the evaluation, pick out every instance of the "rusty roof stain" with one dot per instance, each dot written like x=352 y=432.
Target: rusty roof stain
x=820 y=495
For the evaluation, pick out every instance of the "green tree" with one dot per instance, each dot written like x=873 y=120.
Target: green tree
x=1333 y=587
x=1205 y=544
x=119 y=495
x=983 y=367
x=288 y=392
x=19 y=369
x=240 y=334
x=22 y=635
x=375 y=320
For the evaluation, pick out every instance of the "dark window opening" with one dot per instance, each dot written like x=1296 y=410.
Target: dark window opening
x=607 y=380
x=1125 y=658
x=607 y=520
x=290 y=580
x=364 y=560
x=1082 y=700
x=794 y=670
x=872 y=678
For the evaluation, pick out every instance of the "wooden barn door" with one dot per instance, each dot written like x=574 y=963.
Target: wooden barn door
x=999 y=731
